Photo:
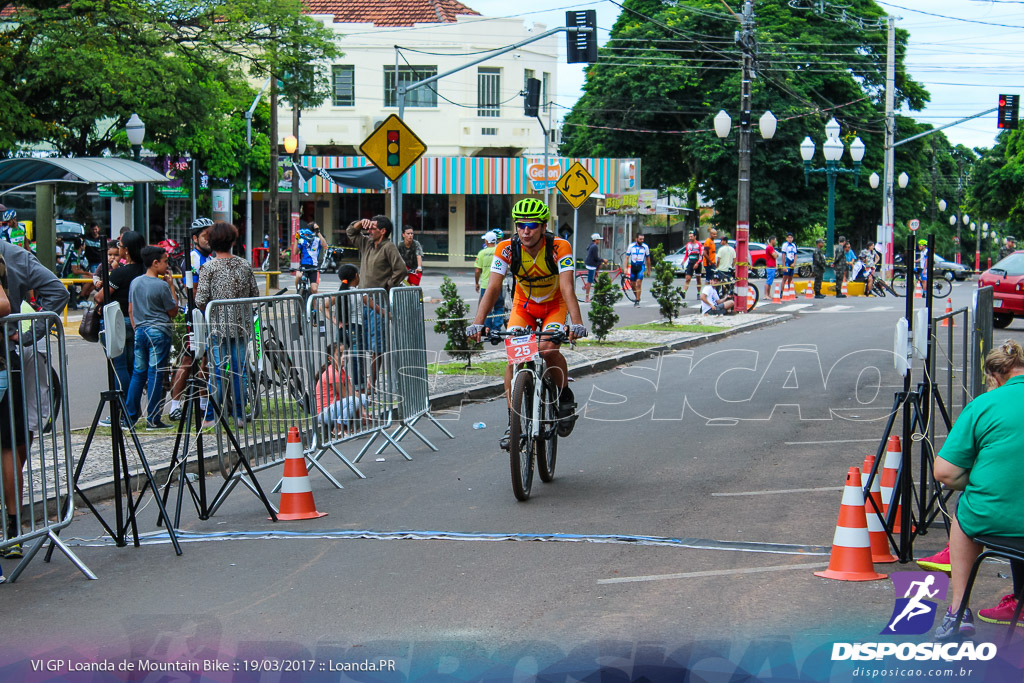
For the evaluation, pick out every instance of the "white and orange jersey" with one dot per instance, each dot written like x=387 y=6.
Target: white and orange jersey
x=534 y=279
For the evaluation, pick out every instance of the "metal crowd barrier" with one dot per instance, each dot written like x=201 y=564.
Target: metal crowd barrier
x=355 y=395
x=259 y=357
x=34 y=425
x=981 y=337
x=408 y=359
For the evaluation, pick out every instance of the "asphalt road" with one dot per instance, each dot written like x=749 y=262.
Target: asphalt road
x=718 y=469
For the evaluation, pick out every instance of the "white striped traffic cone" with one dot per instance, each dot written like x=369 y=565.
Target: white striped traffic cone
x=890 y=471
x=808 y=291
x=777 y=293
x=845 y=293
x=296 y=493
x=851 y=546
x=876 y=530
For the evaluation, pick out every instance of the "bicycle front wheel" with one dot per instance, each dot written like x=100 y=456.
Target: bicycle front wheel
x=898 y=284
x=627 y=288
x=581 y=287
x=521 y=443
x=753 y=296
x=941 y=287
x=547 y=445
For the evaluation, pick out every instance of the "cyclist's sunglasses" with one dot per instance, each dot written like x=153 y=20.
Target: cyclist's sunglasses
x=531 y=225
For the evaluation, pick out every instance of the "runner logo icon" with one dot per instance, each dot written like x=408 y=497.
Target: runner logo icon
x=914 y=612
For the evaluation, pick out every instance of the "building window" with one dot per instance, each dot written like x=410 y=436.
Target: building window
x=343 y=79
x=420 y=97
x=488 y=91
x=488 y=131
x=544 y=91
x=428 y=216
x=485 y=212
x=527 y=75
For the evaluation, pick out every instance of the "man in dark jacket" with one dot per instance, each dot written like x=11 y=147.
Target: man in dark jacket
x=839 y=265
x=818 y=268
x=1008 y=247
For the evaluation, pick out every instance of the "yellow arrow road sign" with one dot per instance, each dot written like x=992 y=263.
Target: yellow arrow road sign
x=576 y=185
x=393 y=147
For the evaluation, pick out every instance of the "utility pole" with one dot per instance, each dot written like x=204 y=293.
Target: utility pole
x=746 y=40
x=888 y=204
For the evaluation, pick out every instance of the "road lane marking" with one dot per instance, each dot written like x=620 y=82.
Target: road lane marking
x=834 y=309
x=713 y=572
x=793 y=307
x=820 y=443
x=769 y=493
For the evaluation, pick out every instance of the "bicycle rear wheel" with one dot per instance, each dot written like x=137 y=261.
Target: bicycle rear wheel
x=547 y=445
x=941 y=287
x=898 y=284
x=627 y=288
x=521 y=443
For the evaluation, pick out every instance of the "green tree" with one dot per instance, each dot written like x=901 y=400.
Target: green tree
x=73 y=74
x=668 y=68
x=602 y=313
x=669 y=297
x=452 y=320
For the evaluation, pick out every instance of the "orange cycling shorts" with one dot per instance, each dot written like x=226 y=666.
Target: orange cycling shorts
x=527 y=313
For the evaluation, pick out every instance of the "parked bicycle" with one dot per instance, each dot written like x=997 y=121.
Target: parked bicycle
x=727 y=287
x=533 y=418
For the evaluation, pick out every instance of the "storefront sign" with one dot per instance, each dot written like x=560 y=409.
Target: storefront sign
x=647 y=203
x=535 y=171
x=621 y=204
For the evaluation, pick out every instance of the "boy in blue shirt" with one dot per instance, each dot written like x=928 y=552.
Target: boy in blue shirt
x=310 y=246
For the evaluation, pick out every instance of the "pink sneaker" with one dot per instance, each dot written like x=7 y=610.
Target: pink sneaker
x=1001 y=613
x=939 y=562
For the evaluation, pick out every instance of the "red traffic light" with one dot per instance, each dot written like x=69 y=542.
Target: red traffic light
x=1002 y=101
x=392 y=136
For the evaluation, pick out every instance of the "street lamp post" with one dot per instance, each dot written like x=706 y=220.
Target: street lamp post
x=294 y=146
x=136 y=131
x=833 y=150
x=903 y=180
x=767 y=124
x=248 y=171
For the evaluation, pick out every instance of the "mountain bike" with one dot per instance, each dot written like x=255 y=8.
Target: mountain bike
x=617 y=272
x=941 y=287
x=727 y=287
x=533 y=417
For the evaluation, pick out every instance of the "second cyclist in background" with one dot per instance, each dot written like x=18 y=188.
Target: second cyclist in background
x=311 y=246
x=638 y=258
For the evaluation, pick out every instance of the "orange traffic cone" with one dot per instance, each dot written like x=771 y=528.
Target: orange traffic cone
x=808 y=291
x=948 y=322
x=890 y=470
x=851 y=545
x=845 y=293
x=296 y=493
x=876 y=530
x=790 y=292
x=777 y=294
x=918 y=294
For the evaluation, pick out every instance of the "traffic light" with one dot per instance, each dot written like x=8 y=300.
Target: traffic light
x=579 y=46
x=393 y=145
x=530 y=108
x=1009 y=106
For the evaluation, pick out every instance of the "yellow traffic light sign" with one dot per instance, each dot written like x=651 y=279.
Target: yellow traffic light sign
x=576 y=185
x=393 y=147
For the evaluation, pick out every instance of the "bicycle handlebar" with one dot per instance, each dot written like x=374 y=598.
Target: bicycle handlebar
x=557 y=336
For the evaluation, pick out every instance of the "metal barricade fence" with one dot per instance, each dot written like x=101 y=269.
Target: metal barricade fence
x=35 y=437
x=950 y=369
x=354 y=391
x=258 y=361
x=408 y=360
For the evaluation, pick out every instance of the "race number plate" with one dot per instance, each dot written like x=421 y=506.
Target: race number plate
x=521 y=349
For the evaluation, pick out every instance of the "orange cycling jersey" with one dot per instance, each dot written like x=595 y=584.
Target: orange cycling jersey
x=534 y=281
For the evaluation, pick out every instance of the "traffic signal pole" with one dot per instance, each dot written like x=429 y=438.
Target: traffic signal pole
x=401 y=90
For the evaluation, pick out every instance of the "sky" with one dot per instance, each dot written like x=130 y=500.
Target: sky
x=965 y=57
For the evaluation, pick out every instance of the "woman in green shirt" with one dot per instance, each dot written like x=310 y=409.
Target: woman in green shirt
x=982 y=458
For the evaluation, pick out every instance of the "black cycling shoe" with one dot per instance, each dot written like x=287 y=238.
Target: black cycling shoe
x=566 y=412
x=506 y=439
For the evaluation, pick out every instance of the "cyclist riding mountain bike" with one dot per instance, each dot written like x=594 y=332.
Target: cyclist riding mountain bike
x=310 y=246
x=638 y=258
x=543 y=268
x=922 y=259
x=200 y=254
